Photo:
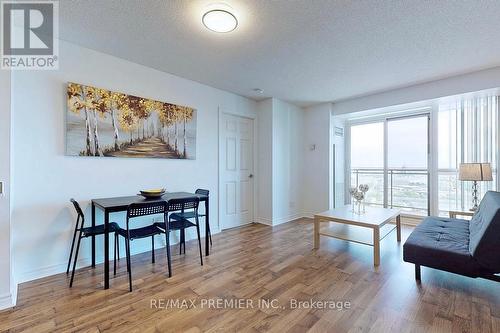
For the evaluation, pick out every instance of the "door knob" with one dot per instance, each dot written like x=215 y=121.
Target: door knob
x=250 y=176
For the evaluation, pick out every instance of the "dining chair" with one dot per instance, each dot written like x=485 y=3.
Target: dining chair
x=85 y=232
x=207 y=193
x=181 y=221
x=190 y=215
x=134 y=211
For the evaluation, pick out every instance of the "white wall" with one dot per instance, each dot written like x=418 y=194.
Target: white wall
x=287 y=161
x=44 y=179
x=481 y=80
x=265 y=162
x=7 y=291
x=317 y=176
x=280 y=161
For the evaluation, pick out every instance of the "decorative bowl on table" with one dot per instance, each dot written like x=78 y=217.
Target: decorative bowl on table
x=152 y=194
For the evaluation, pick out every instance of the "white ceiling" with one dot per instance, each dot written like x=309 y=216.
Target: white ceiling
x=302 y=51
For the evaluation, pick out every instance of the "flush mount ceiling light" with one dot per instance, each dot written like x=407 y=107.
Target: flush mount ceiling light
x=219 y=20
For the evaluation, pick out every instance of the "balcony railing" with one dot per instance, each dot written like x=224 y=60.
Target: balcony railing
x=407 y=189
x=454 y=194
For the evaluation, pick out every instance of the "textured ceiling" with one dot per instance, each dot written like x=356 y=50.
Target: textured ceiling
x=302 y=51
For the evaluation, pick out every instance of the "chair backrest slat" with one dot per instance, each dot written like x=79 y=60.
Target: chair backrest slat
x=202 y=191
x=78 y=209
x=80 y=220
x=182 y=204
x=146 y=208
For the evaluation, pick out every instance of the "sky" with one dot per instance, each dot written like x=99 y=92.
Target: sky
x=407 y=144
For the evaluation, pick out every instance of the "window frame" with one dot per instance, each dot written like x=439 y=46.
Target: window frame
x=385 y=118
x=432 y=108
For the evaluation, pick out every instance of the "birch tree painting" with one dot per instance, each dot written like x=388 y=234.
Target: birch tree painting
x=100 y=123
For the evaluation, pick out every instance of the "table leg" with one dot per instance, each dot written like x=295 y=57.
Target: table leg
x=398 y=227
x=207 y=224
x=93 y=237
x=106 y=249
x=376 y=246
x=316 y=233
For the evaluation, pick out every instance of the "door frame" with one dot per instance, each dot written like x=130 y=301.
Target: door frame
x=223 y=111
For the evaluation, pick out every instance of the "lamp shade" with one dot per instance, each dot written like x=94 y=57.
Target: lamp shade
x=475 y=172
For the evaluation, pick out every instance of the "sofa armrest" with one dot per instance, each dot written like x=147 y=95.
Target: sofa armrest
x=454 y=213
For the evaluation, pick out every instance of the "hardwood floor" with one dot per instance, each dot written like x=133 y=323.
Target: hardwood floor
x=262 y=263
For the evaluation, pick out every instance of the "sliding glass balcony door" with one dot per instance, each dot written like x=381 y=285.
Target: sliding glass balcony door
x=367 y=160
x=407 y=164
x=392 y=157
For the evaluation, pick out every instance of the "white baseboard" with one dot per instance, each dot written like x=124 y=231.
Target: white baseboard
x=51 y=270
x=303 y=215
x=308 y=215
x=6 y=301
x=42 y=272
x=278 y=221
x=286 y=219
x=9 y=300
x=13 y=292
x=263 y=220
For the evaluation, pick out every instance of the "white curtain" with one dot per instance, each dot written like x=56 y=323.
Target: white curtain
x=467 y=132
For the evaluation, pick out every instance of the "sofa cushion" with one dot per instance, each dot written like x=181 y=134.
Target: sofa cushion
x=442 y=243
x=485 y=232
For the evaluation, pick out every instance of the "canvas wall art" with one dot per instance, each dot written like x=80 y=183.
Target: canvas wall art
x=100 y=122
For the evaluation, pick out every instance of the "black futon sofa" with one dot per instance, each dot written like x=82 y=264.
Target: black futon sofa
x=470 y=248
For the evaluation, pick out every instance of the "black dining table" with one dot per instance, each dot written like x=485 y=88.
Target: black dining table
x=120 y=204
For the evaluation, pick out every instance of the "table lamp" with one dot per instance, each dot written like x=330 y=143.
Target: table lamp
x=475 y=172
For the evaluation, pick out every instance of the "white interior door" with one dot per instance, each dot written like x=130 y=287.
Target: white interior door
x=237 y=187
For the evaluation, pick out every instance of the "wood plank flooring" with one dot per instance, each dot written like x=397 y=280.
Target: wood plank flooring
x=258 y=263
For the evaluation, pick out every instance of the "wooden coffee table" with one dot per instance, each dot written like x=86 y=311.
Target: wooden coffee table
x=352 y=227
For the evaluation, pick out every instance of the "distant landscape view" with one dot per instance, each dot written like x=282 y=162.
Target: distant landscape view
x=407 y=189
x=100 y=123
x=398 y=149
